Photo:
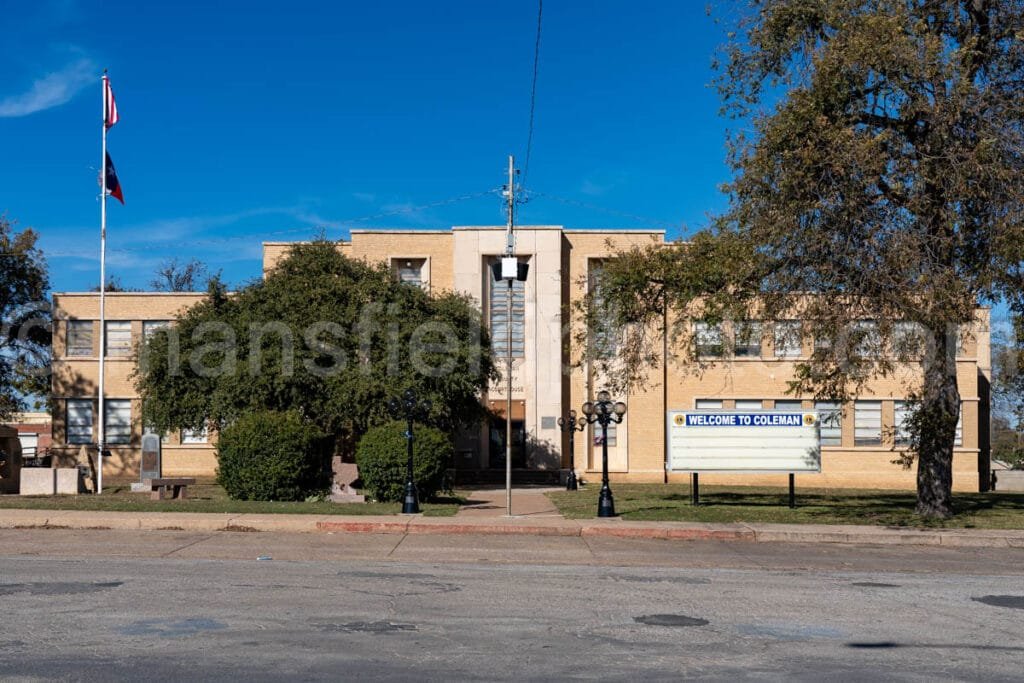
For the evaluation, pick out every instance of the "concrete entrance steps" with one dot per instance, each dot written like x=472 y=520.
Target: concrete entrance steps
x=496 y=477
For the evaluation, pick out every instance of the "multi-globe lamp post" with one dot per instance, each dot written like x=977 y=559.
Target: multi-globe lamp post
x=572 y=425
x=604 y=412
x=409 y=408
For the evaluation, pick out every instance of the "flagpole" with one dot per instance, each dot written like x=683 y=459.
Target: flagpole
x=103 y=291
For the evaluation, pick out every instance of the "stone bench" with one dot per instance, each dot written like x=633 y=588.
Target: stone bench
x=177 y=487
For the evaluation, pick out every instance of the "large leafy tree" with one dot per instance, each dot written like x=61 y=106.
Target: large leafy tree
x=24 y=319
x=323 y=334
x=881 y=180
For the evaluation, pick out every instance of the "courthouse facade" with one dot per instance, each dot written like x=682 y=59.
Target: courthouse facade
x=860 y=440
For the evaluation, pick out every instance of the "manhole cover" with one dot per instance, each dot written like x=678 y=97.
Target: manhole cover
x=669 y=620
x=1012 y=601
x=872 y=584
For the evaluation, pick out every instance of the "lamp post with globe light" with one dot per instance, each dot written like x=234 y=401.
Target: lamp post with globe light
x=409 y=408
x=572 y=425
x=604 y=412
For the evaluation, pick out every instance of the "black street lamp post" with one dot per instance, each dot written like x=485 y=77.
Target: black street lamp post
x=408 y=407
x=572 y=425
x=604 y=412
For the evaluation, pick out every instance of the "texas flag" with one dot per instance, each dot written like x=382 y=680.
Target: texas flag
x=113 y=186
x=110 y=116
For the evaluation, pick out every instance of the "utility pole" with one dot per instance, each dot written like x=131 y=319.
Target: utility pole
x=509 y=254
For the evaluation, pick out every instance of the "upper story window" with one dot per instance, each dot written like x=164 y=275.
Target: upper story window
x=708 y=339
x=151 y=327
x=119 y=338
x=708 y=404
x=749 y=404
x=79 y=339
x=788 y=339
x=500 y=325
x=748 y=339
x=194 y=436
x=410 y=271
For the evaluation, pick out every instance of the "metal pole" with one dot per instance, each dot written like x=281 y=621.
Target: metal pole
x=509 y=251
x=100 y=435
x=605 y=503
x=792 y=490
x=572 y=484
x=695 y=488
x=410 y=505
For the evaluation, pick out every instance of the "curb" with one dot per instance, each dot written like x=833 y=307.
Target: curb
x=614 y=528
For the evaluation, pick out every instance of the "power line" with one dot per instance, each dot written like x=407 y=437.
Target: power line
x=660 y=222
x=533 y=92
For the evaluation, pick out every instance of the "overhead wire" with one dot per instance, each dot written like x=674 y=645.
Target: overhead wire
x=533 y=93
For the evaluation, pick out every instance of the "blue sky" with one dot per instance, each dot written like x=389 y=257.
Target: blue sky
x=248 y=121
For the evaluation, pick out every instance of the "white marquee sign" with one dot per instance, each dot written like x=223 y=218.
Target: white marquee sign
x=739 y=441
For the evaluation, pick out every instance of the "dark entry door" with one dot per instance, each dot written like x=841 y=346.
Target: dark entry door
x=497 y=444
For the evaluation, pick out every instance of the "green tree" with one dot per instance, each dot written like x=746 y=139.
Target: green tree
x=325 y=335
x=882 y=181
x=25 y=321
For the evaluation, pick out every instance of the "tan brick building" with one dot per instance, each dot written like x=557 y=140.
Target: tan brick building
x=858 y=443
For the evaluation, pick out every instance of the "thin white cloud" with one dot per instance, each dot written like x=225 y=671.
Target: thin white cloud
x=52 y=90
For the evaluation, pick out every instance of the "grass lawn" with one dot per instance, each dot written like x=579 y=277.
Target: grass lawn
x=671 y=502
x=212 y=498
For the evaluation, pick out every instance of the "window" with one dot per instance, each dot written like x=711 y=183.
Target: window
x=195 y=436
x=788 y=339
x=708 y=339
x=612 y=434
x=748 y=339
x=500 y=327
x=119 y=338
x=79 y=421
x=117 y=427
x=901 y=411
x=79 y=338
x=907 y=339
x=604 y=336
x=866 y=340
x=867 y=419
x=151 y=327
x=959 y=439
x=789 y=405
x=410 y=270
x=830 y=416
x=708 y=404
x=749 y=404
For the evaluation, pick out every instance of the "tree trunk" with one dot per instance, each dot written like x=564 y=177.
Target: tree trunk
x=939 y=412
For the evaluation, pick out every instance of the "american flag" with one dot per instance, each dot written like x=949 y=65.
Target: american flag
x=110 y=116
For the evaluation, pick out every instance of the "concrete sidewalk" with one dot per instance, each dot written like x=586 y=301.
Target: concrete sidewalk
x=501 y=525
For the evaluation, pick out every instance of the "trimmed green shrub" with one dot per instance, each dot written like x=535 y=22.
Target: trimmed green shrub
x=270 y=455
x=382 y=455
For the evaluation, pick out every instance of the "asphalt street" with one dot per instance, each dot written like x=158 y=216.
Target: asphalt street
x=171 y=605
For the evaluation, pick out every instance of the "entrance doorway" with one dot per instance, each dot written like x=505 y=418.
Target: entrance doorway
x=496 y=443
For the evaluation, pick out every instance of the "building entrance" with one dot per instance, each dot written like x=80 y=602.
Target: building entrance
x=496 y=444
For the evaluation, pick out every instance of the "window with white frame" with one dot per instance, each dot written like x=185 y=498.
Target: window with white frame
x=959 y=438
x=194 y=436
x=788 y=339
x=867 y=423
x=749 y=404
x=79 y=338
x=708 y=339
x=789 y=405
x=501 y=327
x=901 y=431
x=119 y=338
x=708 y=404
x=78 y=420
x=907 y=339
x=151 y=327
x=117 y=426
x=748 y=339
x=830 y=417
